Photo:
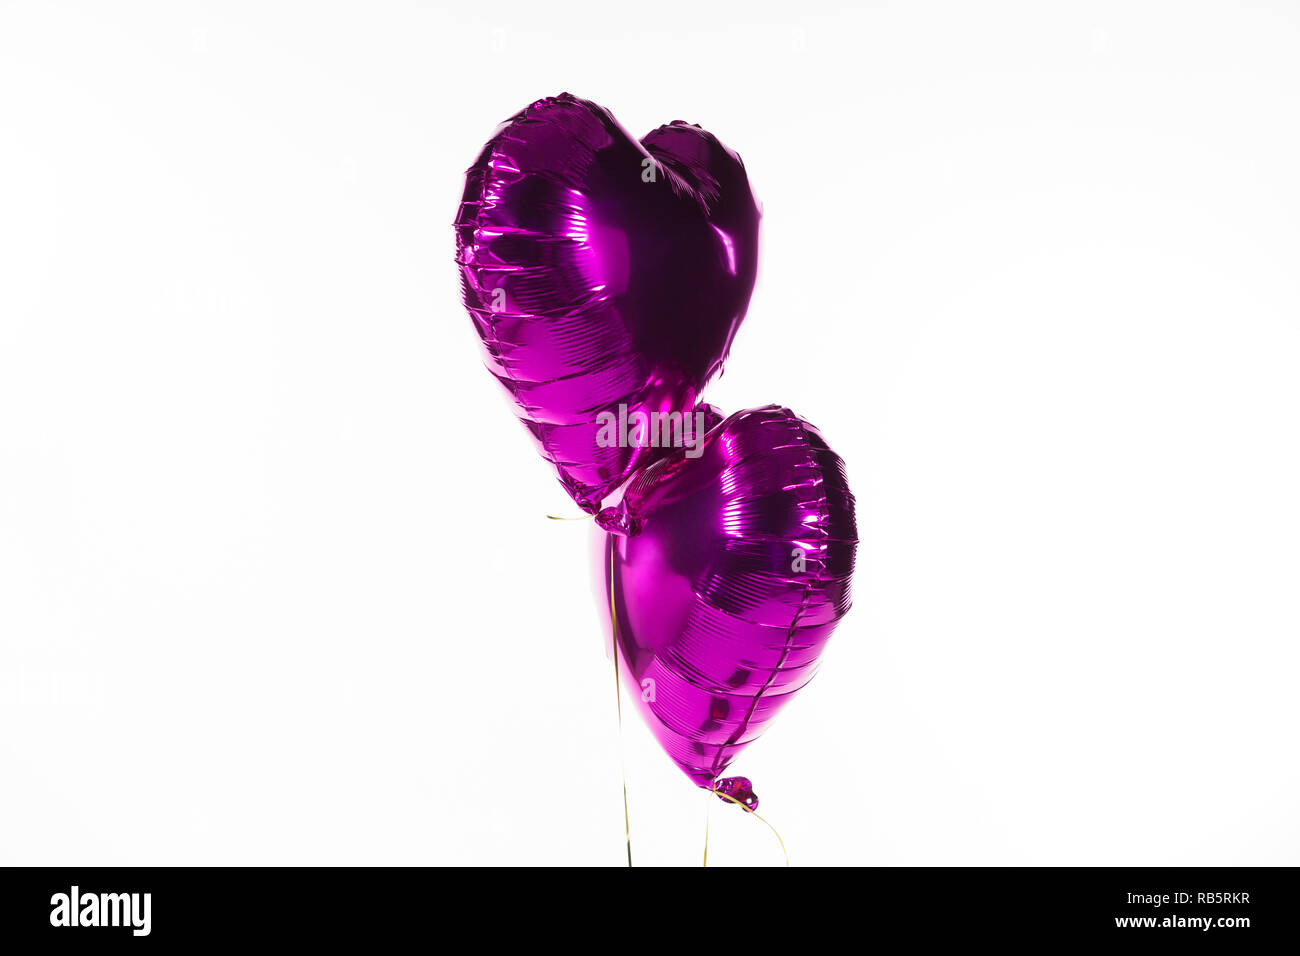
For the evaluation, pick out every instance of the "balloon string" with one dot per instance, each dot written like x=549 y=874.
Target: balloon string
x=708 y=812
x=618 y=687
x=618 y=697
x=727 y=796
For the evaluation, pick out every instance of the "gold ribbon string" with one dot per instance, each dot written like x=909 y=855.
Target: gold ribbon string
x=618 y=686
x=708 y=813
x=752 y=813
x=618 y=697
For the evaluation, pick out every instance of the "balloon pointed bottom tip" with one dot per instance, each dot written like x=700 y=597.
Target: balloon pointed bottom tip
x=736 y=790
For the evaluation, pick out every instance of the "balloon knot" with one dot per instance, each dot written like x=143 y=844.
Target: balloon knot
x=616 y=520
x=739 y=789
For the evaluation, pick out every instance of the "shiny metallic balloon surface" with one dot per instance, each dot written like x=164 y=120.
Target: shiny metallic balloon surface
x=727 y=573
x=601 y=272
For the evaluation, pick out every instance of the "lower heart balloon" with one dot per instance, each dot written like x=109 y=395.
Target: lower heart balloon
x=727 y=567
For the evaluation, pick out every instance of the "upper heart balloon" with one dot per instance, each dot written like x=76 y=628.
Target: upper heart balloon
x=606 y=278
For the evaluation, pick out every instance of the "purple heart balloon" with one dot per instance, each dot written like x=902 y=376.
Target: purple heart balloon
x=606 y=277
x=727 y=569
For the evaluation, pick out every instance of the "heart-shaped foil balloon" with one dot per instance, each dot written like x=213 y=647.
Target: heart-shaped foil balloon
x=606 y=278
x=726 y=572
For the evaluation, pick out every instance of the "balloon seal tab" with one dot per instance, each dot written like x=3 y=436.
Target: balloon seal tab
x=618 y=521
x=737 y=790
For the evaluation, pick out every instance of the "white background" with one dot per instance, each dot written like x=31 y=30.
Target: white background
x=276 y=584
